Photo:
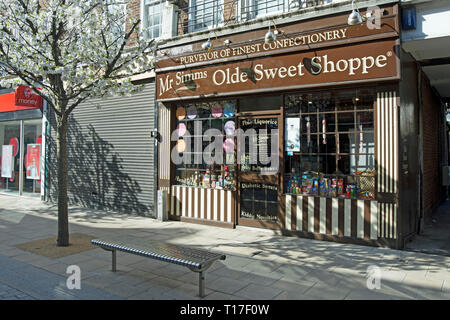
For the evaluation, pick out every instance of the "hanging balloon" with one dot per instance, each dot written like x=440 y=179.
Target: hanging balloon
x=180 y=113
x=216 y=111
x=192 y=112
x=228 y=110
x=181 y=145
x=229 y=128
x=181 y=128
x=228 y=145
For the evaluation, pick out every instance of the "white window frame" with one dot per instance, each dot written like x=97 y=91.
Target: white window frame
x=121 y=7
x=144 y=17
x=218 y=5
x=254 y=14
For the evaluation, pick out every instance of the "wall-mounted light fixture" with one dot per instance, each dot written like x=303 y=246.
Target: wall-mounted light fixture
x=208 y=45
x=271 y=36
x=355 y=17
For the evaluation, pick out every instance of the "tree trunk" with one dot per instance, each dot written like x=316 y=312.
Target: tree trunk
x=63 y=207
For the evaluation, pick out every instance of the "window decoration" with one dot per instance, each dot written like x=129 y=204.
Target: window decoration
x=192 y=122
x=337 y=144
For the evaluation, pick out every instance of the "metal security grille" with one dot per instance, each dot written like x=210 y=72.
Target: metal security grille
x=197 y=15
x=110 y=154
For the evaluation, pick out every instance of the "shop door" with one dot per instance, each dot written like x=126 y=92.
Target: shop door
x=259 y=171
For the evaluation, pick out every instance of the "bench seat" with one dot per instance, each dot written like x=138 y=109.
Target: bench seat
x=197 y=260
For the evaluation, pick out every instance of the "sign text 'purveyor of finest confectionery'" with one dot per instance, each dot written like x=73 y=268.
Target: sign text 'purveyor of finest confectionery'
x=282 y=43
x=357 y=62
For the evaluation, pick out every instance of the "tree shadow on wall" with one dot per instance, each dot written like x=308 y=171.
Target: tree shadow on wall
x=96 y=176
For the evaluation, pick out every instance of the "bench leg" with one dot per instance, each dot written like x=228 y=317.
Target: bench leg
x=114 y=269
x=201 y=284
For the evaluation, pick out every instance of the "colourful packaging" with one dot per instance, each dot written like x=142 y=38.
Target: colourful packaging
x=340 y=186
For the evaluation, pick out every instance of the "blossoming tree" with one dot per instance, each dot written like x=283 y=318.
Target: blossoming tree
x=68 y=51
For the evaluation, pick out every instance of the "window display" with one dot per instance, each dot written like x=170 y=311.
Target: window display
x=192 y=123
x=337 y=144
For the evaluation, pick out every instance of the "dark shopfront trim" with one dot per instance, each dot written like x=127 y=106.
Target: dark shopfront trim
x=384 y=200
x=21 y=115
x=286 y=89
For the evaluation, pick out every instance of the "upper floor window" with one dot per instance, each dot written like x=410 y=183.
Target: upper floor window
x=152 y=18
x=251 y=9
x=205 y=14
x=115 y=17
x=197 y=15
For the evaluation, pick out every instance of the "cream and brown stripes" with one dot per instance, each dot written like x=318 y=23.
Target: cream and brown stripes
x=164 y=160
x=387 y=161
x=332 y=216
x=207 y=204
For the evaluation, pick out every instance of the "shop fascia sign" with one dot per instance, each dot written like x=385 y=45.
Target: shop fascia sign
x=24 y=96
x=359 y=62
x=283 y=43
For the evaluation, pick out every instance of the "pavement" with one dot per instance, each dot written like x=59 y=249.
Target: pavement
x=260 y=264
x=435 y=237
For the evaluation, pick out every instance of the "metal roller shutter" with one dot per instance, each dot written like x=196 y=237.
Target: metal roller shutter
x=110 y=154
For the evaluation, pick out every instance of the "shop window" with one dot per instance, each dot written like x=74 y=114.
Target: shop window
x=205 y=14
x=202 y=163
x=11 y=156
x=152 y=18
x=335 y=156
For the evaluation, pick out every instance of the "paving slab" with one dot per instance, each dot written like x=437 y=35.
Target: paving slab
x=258 y=292
x=322 y=291
x=260 y=264
x=226 y=285
x=41 y=284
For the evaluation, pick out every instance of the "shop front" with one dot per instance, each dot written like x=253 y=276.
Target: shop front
x=298 y=135
x=21 y=138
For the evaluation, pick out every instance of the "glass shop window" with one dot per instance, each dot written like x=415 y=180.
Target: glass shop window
x=206 y=144
x=330 y=144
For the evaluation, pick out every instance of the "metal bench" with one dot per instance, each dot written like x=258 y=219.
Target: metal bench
x=196 y=260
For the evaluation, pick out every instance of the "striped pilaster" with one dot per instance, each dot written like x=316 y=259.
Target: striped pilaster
x=387 y=162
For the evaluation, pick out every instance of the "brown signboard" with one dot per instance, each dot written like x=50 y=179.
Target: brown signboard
x=373 y=60
x=286 y=42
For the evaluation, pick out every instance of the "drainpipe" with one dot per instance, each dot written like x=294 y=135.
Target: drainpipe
x=420 y=137
x=155 y=162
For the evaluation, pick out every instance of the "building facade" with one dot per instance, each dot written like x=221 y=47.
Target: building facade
x=23 y=143
x=349 y=137
x=337 y=104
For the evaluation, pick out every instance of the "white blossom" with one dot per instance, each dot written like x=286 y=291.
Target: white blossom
x=72 y=49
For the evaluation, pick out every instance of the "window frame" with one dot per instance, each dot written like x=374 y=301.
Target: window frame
x=219 y=4
x=319 y=158
x=145 y=4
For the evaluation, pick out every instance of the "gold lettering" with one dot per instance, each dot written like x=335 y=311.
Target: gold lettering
x=329 y=35
x=322 y=37
x=336 y=34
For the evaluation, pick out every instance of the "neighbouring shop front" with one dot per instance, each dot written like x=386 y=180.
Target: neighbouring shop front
x=22 y=141
x=324 y=101
x=110 y=153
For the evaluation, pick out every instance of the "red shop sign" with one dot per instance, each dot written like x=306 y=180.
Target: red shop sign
x=27 y=98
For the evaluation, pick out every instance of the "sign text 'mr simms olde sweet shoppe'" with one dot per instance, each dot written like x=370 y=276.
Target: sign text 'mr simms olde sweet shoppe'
x=359 y=62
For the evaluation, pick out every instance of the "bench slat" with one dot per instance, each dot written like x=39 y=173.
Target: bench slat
x=178 y=254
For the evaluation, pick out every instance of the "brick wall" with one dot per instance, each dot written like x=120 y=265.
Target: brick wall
x=135 y=8
x=431 y=141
